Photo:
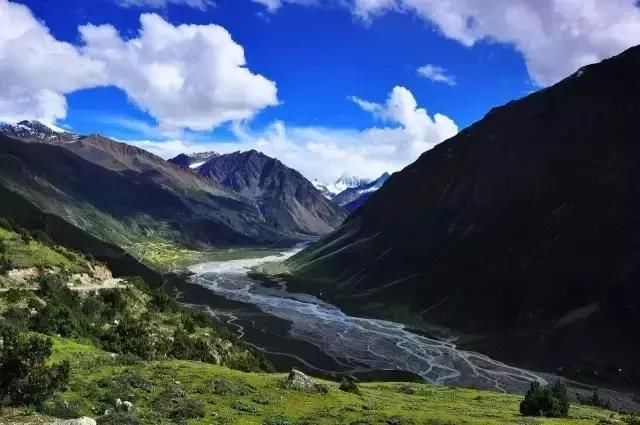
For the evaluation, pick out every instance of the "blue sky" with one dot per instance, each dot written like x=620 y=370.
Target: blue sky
x=329 y=87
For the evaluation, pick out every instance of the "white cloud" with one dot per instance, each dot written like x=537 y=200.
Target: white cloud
x=186 y=76
x=162 y=4
x=555 y=37
x=192 y=76
x=327 y=153
x=437 y=74
x=273 y=5
x=36 y=70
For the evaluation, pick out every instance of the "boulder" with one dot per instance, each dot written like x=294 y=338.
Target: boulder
x=298 y=381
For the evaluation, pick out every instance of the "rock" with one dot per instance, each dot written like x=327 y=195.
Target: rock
x=127 y=405
x=80 y=421
x=298 y=381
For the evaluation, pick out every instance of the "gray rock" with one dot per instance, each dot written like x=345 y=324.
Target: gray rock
x=80 y=421
x=298 y=381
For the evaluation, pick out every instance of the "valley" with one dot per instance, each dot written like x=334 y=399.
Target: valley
x=303 y=331
x=273 y=212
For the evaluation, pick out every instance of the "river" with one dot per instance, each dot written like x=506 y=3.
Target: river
x=321 y=337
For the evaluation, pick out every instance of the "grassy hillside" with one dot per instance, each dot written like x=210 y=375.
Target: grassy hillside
x=23 y=251
x=164 y=391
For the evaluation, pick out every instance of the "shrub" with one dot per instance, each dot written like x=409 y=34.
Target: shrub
x=53 y=285
x=241 y=406
x=349 y=386
x=632 y=420
x=25 y=377
x=277 y=420
x=15 y=295
x=549 y=402
x=6 y=265
x=594 y=400
x=17 y=316
x=119 y=418
x=221 y=387
x=129 y=336
x=54 y=319
x=65 y=409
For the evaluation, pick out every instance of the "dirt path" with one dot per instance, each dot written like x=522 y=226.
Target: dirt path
x=107 y=284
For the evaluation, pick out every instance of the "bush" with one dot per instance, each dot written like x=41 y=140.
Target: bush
x=221 y=387
x=63 y=409
x=6 y=265
x=129 y=336
x=14 y=295
x=277 y=420
x=119 y=418
x=549 y=402
x=25 y=378
x=349 y=386
x=17 y=316
x=594 y=400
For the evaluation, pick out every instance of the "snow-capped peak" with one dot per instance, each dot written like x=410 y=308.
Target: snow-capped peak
x=343 y=183
x=346 y=181
x=37 y=131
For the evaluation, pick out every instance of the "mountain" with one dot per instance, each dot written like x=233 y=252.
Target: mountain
x=283 y=195
x=353 y=197
x=193 y=160
x=128 y=197
x=36 y=131
x=323 y=188
x=521 y=232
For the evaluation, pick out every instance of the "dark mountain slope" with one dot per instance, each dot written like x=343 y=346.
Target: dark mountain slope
x=523 y=227
x=193 y=160
x=286 y=199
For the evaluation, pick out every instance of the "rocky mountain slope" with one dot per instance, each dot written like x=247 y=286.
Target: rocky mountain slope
x=125 y=195
x=283 y=195
x=522 y=230
x=192 y=160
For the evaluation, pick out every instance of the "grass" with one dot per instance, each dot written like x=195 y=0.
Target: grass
x=34 y=253
x=166 y=256
x=157 y=390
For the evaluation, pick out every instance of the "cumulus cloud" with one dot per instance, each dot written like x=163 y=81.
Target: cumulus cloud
x=555 y=37
x=192 y=76
x=36 y=70
x=326 y=153
x=186 y=76
x=437 y=74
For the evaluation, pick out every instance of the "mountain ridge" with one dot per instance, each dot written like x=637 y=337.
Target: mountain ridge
x=521 y=228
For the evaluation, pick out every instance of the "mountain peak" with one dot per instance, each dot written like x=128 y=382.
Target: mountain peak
x=38 y=131
x=193 y=160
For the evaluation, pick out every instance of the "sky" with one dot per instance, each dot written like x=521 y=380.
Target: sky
x=329 y=87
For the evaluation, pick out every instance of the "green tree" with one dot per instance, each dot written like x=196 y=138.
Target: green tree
x=549 y=402
x=25 y=377
x=5 y=264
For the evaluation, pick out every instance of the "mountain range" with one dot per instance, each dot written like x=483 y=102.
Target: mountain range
x=129 y=197
x=521 y=232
